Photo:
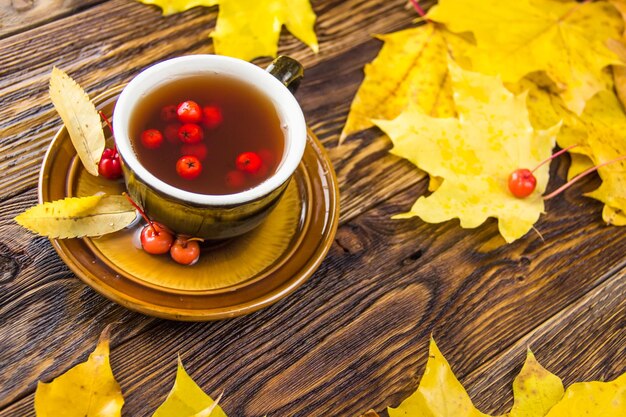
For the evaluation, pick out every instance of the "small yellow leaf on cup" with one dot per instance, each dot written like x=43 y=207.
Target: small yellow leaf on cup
x=80 y=117
x=78 y=216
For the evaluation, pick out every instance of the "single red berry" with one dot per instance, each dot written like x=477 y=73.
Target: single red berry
x=267 y=156
x=110 y=165
x=198 y=150
x=249 y=162
x=188 y=167
x=185 y=251
x=189 y=112
x=171 y=133
x=190 y=133
x=268 y=159
x=235 y=179
x=168 y=113
x=156 y=239
x=522 y=183
x=262 y=172
x=212 y=116
x=151 y=138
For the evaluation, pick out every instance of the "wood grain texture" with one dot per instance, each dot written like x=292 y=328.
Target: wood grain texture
x=355 y=335
x=19 y=15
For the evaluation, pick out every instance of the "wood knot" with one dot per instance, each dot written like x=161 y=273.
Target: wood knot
x=9 y=268
x=349 y=240
x=22 y=5
x=413 y=257
x=9 y=264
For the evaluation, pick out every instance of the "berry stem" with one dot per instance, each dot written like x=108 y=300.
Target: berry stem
x=106 y=120
x=579 y=176
x=419 y=9
x=143 y=214
x=555 y=155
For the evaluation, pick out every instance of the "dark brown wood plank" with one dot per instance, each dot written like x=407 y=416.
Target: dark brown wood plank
x=567 y=344
x=584 y=342
x=35 y=328
x=19 y=15
x=355 y=335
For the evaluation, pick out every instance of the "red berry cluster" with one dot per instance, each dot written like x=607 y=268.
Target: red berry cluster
x=157 y=239
x=187 y=125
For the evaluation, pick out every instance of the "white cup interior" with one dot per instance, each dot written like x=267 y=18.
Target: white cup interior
x=287 y=108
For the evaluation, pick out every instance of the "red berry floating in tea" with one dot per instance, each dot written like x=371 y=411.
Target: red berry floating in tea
x=169 y=113
x=190 y=133
x=198 y=150
x=231 y=128
x=188 y=167
x=110 y=166
x=235 y=179
x=189 y=112
x=211 y=117
x=171 y=133
x=249 y=162
x=151 y=138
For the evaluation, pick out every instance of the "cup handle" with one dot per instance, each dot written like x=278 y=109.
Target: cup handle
x=288 y=71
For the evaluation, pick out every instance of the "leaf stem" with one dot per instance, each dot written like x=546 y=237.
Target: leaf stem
x=579 y=176
x=545 y=161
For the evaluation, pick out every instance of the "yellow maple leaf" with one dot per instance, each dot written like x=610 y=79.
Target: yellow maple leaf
x=517 y=38
x=411 y=66
x=595 y=398
x=176 y=6
x=87 y=390
x=439 y=393
x=248 y=29
x=475 y=154
x=600 y=134
x=535 y=390
x=186 y=399
x=72 y=217
x=619 y=47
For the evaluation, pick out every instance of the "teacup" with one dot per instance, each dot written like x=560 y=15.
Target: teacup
x=202 y=215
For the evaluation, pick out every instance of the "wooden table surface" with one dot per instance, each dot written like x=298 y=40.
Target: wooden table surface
x=355 y=336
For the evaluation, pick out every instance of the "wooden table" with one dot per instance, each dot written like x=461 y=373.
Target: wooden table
x=355 y=335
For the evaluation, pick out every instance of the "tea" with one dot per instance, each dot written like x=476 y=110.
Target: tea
x=209 y=134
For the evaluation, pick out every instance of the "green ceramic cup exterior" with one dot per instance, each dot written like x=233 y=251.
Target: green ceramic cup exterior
x=208 y=222
x=219 y=219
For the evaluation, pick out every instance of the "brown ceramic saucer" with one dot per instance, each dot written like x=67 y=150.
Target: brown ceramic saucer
x=233 y=277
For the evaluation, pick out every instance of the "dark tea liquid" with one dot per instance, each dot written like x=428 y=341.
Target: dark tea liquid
x=249 y=123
